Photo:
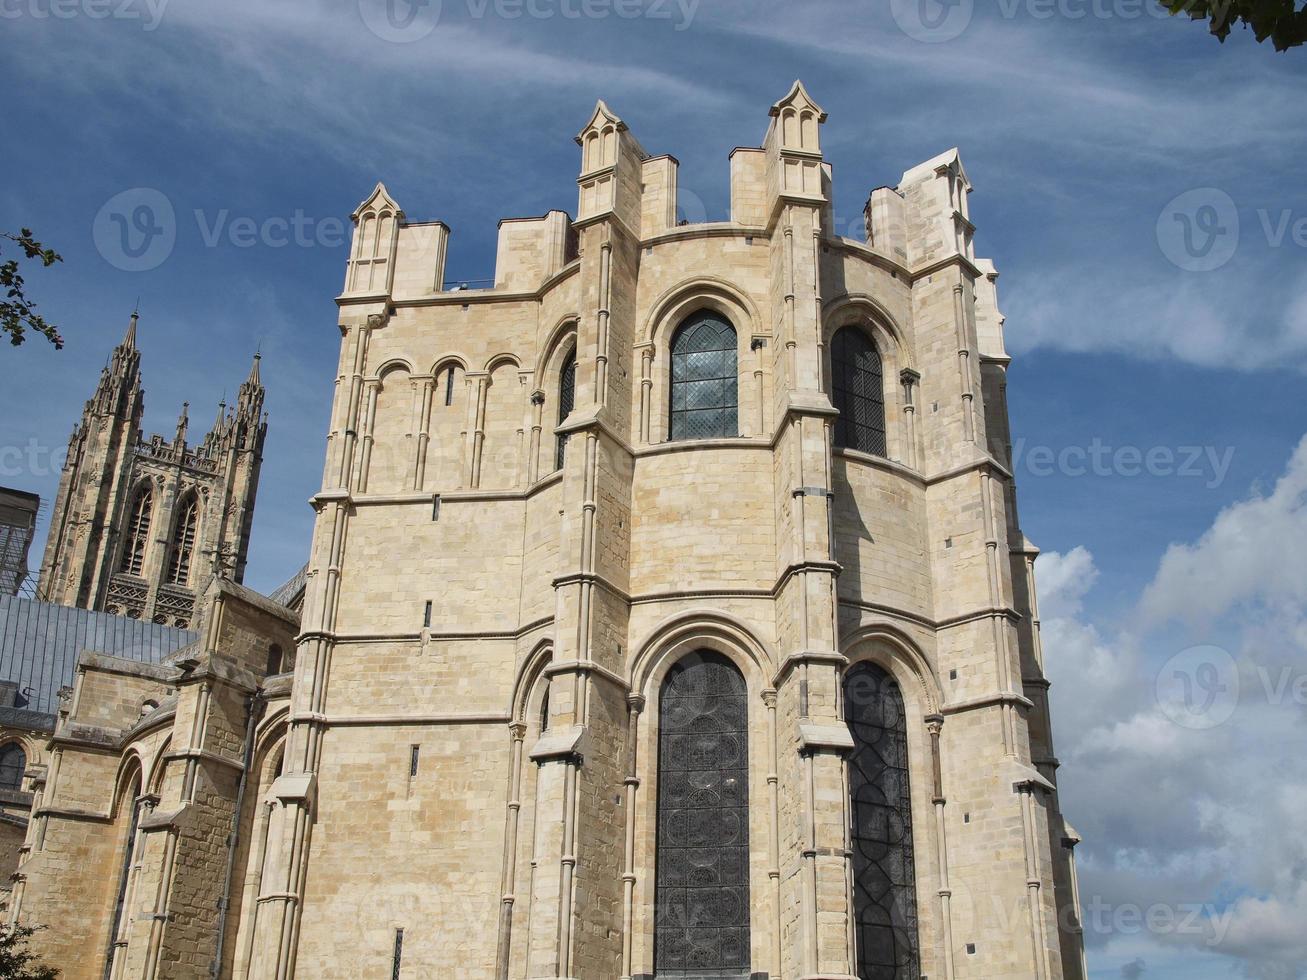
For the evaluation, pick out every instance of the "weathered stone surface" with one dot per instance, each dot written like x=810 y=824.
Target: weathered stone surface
x=469 y=750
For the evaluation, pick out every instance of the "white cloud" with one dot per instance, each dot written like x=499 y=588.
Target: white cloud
x=1206 y=820
x=1253 y=552
x=1064 y=580
x=1219 y=320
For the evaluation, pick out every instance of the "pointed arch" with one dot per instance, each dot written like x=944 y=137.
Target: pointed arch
x=525 y=692
x=153 y=779
x=700 y=629
x=185 y=533
x=858 y=392
x=126 y=802
x=136 y=540
x=704 y=378
x=702 y=883
x=893 y=650
x=886 y=936
x=13 y=763
x=566 y=402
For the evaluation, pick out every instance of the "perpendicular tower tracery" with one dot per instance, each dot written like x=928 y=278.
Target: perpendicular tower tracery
x=140 y=525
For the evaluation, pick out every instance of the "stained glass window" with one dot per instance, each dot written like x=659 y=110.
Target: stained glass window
x=702 y=891
x=704 y=379
x=858 y=389
x=13 y=763
x=884 y=882
x=566 y=402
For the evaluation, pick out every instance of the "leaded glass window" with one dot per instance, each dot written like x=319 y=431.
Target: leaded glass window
x=138 y=532
x=566 y=402
x=183 y=542
x=705 y=378
x=702 y=880
x=13 y=763
x=880 y=805
x=858 y=387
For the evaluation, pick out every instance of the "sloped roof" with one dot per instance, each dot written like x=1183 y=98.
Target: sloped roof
x=291 y=594
x=40 y=643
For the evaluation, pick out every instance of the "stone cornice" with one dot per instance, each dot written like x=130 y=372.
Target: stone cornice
x=956 y=259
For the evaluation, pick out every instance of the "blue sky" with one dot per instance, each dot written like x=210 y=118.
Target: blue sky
x=1079 y=133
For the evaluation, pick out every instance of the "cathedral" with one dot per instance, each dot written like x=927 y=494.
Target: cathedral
x=667 y=617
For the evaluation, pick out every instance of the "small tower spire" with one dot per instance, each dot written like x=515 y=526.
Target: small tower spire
x=183 y=422
x=129 y=341
x=253 y=379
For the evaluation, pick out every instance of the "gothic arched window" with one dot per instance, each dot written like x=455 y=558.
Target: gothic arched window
x=858 y=388
x=183 y=541
x=13 y=763
x=138 y=531
x=701 y=925
x=566 y=402
x=117 y=938
x=880 y=805
x=705 y=403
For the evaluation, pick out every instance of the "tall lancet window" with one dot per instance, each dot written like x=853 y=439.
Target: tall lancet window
x=701 y=924
x=880 y=805
x=566 y=402
x=121 y=914
x=705 y=398
x=858 y=389
x=138 y=531
x=183 y=542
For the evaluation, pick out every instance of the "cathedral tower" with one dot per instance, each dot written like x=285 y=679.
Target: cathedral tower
x=140 y=525
x=671 y=593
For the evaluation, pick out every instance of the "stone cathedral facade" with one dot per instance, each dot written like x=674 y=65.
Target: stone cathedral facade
x=140 y=525
x=667 y=616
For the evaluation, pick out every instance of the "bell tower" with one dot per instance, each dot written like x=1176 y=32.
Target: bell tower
x=140 y=525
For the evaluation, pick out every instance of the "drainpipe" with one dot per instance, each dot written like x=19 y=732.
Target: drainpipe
x=254 y=705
